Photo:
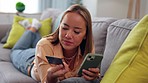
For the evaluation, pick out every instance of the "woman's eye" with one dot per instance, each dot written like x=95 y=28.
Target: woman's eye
x=65 y=28
x=77 y=32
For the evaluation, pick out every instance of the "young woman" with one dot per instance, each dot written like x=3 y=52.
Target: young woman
x=70 y=42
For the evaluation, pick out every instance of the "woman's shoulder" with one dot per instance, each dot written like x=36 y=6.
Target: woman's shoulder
x=44 y=41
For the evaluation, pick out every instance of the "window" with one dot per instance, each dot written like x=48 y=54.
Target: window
x=31 y=6
x=36 y=6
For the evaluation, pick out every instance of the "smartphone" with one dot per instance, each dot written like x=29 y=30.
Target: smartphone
x=54 y=60
x=90 y=61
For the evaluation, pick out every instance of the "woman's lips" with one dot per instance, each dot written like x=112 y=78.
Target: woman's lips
x=67 y=42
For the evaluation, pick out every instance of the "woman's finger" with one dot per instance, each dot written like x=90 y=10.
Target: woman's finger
x=59 y=73
x=66 y=66
x=94 y=70
x=87 y=77
x=54 y=69
x=91 y=73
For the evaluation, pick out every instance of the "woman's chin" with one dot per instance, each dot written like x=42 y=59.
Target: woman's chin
x=68 y=47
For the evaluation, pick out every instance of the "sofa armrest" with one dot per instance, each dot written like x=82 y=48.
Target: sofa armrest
x=3 y=29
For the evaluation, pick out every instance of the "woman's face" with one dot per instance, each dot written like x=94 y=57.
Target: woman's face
x=72 y=31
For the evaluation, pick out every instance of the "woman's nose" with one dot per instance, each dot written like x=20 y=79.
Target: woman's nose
x=68 y=34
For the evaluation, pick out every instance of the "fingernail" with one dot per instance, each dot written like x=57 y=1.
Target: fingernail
x=61 y=65
x=83 y=70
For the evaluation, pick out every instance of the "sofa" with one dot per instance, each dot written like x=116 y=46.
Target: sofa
x=109 y=33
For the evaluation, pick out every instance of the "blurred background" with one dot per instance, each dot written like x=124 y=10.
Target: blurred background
x=98 y=8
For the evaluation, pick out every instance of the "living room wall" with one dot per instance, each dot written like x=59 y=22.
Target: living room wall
x=7 y=18
x=113 y=8
x=97 y=8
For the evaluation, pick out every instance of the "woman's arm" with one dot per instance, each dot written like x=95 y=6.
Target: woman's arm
x=42 y=63
x=47 y=72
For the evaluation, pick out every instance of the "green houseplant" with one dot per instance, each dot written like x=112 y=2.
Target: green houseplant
x=20 y=7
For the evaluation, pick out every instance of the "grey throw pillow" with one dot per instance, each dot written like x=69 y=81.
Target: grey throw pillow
x=4 y=39
x=116 y=34
x=99 y=28
x=50 y=13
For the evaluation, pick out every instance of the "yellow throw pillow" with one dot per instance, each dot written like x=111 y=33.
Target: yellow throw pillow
x=18 y=30
x=130 y=64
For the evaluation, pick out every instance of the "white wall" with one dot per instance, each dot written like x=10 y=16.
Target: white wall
x=146 y=7
x=99 y=8
x=143 y=8
x=113 y=8
x=91 y=5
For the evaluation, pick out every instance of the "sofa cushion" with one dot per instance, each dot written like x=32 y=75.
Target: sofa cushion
x=50 y=13
x=99 y=28
x=17 y=30
x=4 y=54
x=9 y=74
x=116 y=34
x=131 y=62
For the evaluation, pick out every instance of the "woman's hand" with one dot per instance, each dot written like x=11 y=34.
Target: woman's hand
x=54 y=73
x=91 y=73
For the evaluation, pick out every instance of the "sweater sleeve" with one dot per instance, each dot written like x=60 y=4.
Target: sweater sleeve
x=41 y=62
